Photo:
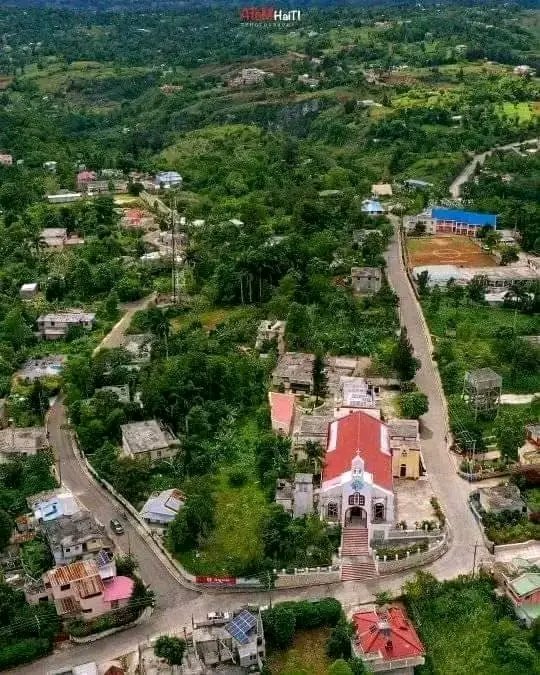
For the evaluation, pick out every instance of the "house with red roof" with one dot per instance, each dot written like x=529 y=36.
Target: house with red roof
x=282 y=411
x=386 y=640
x=357 y=489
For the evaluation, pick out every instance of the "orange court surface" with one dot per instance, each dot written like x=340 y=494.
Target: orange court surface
x=447 y=250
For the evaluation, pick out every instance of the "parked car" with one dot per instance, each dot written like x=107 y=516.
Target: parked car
x=116 y=526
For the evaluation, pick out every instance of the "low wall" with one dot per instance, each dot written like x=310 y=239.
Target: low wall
x=309 y=578
x=501 y=548
x=483 y=475
x=413 y=560
x=147 y=612
x=488 y=543
x=183 y=576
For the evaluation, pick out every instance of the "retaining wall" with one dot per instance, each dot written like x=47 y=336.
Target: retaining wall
x=413 y=560
x=310 y=578
x=98 y=636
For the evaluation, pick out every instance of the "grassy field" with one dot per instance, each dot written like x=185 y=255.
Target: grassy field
x=444 y=250
x=524 y=112
x=306 y=656
x=209 y=318
x=236 y=538
x=470 y=332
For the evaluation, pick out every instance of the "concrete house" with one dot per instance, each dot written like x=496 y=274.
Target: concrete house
x=499 y=498
x=239 y=640
x=168 y=179
x=139 y=346
x=524 y=593
x=148 y=439
x=56 y=326
x=270 y=331
x=64 y=197
x=294 y=372
x=366 y=280
x=53 y=504
x=22 y=442
x=28 y=291
x=80 y=590
x=296 y=497
x=405 y=446
x=76 y=537
x=161 y=508
x=35 y=369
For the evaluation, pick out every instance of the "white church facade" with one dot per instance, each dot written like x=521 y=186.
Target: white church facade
x=357 y=485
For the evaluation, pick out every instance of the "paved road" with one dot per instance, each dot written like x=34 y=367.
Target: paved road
x=451 y=490
x=478 y=160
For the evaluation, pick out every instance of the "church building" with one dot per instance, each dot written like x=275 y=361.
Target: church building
x=357 y=484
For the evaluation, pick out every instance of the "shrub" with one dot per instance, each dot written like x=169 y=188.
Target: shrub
x=23 y=651
x=237 y=478
x=339 y=642
x=171 y=649
x=279 y=626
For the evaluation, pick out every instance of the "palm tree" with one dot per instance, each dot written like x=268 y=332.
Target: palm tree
x=315 y=455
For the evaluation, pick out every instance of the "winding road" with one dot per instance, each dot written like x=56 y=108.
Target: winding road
x=176 y=604
x=478 y=160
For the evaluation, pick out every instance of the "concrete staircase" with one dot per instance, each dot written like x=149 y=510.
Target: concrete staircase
x=357 y=563
x=358 y=568
x=354 y=541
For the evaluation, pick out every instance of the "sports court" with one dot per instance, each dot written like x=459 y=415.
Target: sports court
x=447 y=250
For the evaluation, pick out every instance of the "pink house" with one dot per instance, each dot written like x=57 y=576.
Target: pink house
x=85 y=177
x=282 y=412
x=6 y=160
x=79 y=590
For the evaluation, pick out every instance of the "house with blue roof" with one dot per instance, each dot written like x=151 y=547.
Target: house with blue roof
x=457 y=221
x=439 y=220
x=372 y=207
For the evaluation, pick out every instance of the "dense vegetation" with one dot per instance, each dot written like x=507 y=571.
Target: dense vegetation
x=444 y=613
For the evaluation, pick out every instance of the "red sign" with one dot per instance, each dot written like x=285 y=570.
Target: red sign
x=257 y=14
x=219 y=581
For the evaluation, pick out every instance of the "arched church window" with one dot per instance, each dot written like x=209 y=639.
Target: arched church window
x=379 y=512
x=357 y=499
x=332 y=510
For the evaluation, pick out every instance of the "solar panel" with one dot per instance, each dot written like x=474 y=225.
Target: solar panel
x=240 y=626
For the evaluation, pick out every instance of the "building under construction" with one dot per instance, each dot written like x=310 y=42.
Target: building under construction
x=482 y=390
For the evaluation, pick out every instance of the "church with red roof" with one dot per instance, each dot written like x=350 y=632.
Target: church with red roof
x=357 y=484
x=386 y=640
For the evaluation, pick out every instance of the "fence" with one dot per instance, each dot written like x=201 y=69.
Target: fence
x=434 y=552
x=488 y=543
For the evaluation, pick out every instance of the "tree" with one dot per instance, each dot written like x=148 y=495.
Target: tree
x=383 y=598
x=340 y=667
x=339 y=642
x=476 y=288
x=404 y=361
x=357 y=666
x=171 y=649
x=6 y=528
x=509 y=430
x=315 y=454
x=509 y=254
x=422 y=280
x=413 y=404
x=319 y=377
x=110 y=307
x=492 y=239
x=279 y=626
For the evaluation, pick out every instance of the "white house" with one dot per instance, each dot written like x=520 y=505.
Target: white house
x=53 y=504
x=161 y=507
x=55 y=326
x=168 y=179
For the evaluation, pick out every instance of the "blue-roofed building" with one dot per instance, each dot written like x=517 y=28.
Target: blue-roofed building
x=372 y=207
x=439 y=220
x=456 y=221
